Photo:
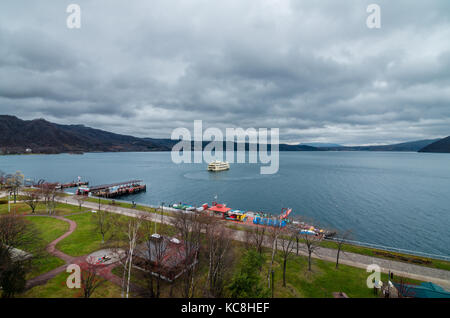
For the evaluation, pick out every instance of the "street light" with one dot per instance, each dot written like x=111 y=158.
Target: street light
x=162 y=209
x=9 y=202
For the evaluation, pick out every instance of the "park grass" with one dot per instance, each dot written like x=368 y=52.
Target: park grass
x=87 y=239
x=11 y=198
x=49 y=229
x=322 y=281
x=19 y=208
x=84 y=240
x=43 y=264
x=57 y=288
x=22 y=208
x=61 y=209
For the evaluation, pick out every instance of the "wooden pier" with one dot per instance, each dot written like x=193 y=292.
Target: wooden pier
x=72 y=184
x=114 y=190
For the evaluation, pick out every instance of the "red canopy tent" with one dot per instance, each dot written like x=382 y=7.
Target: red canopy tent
x=220 y=208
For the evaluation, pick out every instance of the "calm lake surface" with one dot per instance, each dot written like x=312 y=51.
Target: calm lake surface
x=393 y=199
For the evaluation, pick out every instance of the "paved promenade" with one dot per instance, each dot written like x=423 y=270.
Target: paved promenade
x=437 y=276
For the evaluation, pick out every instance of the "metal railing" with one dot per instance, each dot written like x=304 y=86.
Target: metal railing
x=395 y=249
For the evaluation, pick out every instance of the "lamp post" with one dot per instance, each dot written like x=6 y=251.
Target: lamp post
x=9 y=202
x=162 y=216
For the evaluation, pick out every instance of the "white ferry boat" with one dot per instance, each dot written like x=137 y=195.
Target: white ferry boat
x=218 y=166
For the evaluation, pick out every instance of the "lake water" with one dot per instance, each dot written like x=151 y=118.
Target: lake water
x=392 y=199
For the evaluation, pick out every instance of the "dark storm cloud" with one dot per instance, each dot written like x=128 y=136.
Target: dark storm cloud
x=312 y=69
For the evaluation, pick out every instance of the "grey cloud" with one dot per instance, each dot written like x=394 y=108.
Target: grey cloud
x=312 y=69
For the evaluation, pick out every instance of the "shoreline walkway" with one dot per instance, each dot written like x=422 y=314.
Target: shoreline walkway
x=434 y=275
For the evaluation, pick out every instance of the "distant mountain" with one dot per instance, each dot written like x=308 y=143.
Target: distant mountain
x=285 y=147
x=442 y=146
x=412 y=146
x=282 y=147
x=320 y=144
x=41 y=136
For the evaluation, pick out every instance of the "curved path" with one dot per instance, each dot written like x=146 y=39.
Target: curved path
x=51 y=249
x=105 y=271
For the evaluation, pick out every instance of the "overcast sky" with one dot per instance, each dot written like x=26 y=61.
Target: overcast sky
x=311 y=68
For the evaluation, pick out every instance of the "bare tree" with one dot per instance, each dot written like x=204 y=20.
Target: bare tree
x=286 y=240
x=154 y=251
x=14 y=182
x=311 y=242
x=32 y=199
x=189 y=226
x=255 y=237
x=81 y=199
x=103 y=222
x=274 y=232
x=16 y=232
x=218 y=246
x=49 y=193
x=90 y=279
x=2 y=179
x=340 y=238
x=131 y=230
x=404 y=290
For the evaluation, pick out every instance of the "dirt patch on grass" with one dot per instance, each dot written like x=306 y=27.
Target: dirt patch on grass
x=414 y=260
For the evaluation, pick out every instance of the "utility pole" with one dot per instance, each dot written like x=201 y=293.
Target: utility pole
x=9 y=202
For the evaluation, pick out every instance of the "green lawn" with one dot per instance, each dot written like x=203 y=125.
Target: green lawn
x=300 y=283
x=50 y=229
x=19 y=208
x=11 y=198
x=23 y=208
x=322 y=281
x=57 y=288
x=84 y=240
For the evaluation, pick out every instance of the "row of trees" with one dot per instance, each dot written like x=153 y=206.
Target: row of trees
x=207 y=240
x=47 y=194
x=287 y=241
x=17 y=233
x=12 y=182
x=203 y=241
